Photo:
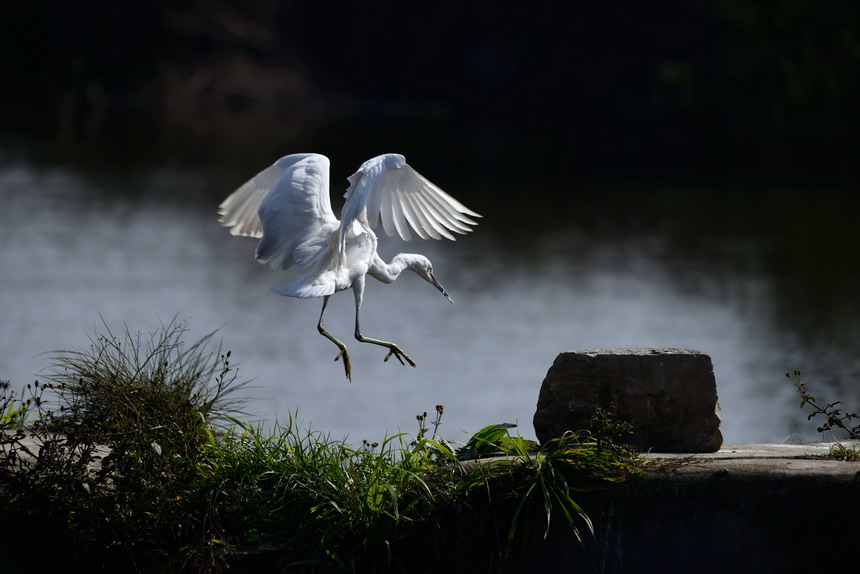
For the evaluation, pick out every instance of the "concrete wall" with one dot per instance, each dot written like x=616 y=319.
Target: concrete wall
x=720 y=516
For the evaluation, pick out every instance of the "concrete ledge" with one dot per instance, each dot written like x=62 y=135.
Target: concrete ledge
x=745 y=508
x=770 y=459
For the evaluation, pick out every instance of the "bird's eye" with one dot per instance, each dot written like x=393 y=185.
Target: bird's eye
x=430 y=269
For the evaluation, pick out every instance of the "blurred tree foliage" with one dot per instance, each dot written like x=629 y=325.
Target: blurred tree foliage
x=695 y=87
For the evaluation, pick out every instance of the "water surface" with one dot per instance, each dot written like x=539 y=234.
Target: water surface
x=763 y=282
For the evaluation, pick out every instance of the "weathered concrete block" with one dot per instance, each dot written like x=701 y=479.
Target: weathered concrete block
x=668 y=395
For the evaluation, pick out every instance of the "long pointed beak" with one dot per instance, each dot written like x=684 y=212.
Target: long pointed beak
x=438 y=286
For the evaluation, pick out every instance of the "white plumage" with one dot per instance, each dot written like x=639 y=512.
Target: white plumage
x=287 y=205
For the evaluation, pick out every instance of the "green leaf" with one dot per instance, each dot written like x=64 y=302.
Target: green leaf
x=485 y=442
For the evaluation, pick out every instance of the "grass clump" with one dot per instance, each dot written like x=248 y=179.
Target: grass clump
x=303 y=498
x=843 y=452
x=109 y=463
x=135 y=461
x=132 y=380
x=299 y=498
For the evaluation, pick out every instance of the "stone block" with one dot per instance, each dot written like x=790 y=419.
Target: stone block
x=668 y=395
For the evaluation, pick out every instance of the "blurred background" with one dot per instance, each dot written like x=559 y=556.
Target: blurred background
x=672 y=175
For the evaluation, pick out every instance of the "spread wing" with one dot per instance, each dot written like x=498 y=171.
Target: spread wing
x=288 y=206
x=387 y=189
x=239 y=211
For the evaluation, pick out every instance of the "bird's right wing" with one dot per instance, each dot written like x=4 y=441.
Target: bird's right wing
x=239 y=211
x=288 y=205
x=386 y=188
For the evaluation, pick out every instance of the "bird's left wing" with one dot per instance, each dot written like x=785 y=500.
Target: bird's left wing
x=391 y=191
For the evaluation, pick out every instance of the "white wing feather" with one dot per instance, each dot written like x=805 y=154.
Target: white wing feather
x=288 y=206
x=386 y=188
x=239 y=211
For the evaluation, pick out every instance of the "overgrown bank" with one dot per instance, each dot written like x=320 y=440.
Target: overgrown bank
x=129 y=459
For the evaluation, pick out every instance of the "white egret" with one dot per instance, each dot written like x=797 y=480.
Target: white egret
x=287 y=205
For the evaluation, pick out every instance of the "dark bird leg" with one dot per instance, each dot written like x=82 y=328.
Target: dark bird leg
x=343 y=352
x=393 y=349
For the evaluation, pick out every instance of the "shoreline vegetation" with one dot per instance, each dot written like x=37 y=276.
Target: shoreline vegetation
x=131 y=456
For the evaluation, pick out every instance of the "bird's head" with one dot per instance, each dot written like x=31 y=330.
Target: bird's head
x=424 y=269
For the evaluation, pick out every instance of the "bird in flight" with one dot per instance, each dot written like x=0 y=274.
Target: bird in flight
x=287 y=206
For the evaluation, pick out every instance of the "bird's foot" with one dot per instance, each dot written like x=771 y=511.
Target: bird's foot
x=346 y=364
x=399 y=354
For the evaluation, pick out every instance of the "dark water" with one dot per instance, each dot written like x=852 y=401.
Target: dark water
x=764 y=281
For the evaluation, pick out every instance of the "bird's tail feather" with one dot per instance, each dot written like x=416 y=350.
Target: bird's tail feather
x=304 y=289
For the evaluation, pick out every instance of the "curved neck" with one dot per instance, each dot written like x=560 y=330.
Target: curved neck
x=389 y=272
